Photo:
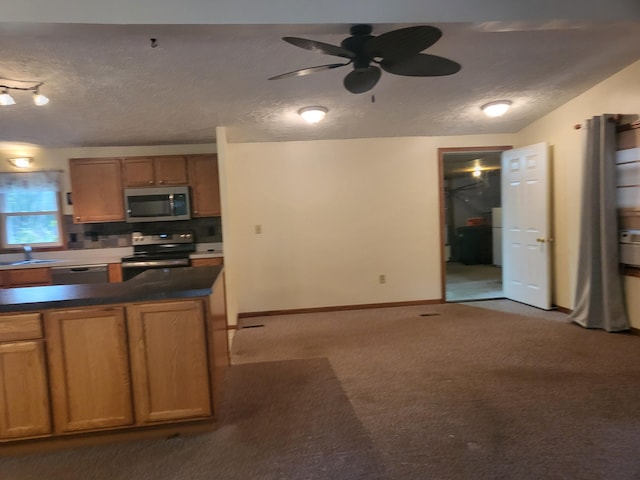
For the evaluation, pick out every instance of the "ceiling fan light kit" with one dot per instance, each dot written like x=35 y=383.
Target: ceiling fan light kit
x=396 y=52
x=313 y=114
x=496 y=109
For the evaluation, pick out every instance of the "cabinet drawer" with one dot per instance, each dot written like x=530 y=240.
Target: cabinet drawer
x=27 y=277
x=206 y=262
x=23 y=326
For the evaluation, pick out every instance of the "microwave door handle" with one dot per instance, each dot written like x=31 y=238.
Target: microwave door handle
x=172 y=206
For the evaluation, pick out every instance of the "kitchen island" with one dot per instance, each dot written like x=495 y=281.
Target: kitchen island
x=145 y=356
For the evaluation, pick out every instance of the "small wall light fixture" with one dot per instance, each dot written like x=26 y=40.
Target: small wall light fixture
x=313 y=114
x=38 y=98
x=496 y=109
x=477 y=171
x=21 y=162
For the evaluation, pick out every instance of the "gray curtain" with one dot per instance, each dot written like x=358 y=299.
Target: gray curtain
x=599 y=300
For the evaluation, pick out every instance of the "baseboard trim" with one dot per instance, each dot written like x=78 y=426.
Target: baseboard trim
x=566 y=310
x=270 y=313
x=634 y=331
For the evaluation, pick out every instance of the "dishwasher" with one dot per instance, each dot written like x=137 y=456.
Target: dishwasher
x=79 y=275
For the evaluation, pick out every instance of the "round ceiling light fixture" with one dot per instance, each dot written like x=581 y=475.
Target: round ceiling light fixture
x=496 y=109
x=313 y=114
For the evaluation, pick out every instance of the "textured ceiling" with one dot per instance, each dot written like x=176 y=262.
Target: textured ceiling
x=108 y=86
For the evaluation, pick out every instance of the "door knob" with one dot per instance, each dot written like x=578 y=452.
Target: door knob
x=541 y=240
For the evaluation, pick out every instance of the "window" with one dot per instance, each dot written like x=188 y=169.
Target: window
x=30 y=209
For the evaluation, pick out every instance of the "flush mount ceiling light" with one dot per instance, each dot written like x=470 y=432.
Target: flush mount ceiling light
x=38 y=98
x=21 y=162
x=496 y=109
x=313 y=114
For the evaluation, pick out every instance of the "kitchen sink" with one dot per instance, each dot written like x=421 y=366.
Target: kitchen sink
x=32 y=261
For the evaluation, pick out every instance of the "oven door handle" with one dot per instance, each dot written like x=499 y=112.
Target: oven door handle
x=181 y=262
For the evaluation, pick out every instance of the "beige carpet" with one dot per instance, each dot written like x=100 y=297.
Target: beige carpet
x=435 y=392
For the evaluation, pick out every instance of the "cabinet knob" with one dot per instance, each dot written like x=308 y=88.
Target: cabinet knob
x=150 y=182
x=161 y=181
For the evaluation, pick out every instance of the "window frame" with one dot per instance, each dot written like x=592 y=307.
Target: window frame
x=5 y=246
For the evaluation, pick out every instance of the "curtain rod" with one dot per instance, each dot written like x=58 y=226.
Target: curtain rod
x=619 y=128
x=614 y=118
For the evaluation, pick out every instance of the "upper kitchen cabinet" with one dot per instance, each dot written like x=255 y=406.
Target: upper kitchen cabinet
x=205 y=190
x=154 y=171
x=96 y=185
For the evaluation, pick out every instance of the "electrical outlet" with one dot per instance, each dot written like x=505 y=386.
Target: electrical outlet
x=382 y=279
x=258 y=229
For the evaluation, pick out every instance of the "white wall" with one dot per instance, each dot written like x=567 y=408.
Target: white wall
x=334 y=216
x=58 y=158
x=618 y=94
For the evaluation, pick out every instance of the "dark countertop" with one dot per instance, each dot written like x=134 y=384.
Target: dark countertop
x=151 y=285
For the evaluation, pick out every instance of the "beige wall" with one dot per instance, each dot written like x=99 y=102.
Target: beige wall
x=618 y=94
x=335 y=215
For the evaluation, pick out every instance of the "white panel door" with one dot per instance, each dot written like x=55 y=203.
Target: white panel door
x=526 y=249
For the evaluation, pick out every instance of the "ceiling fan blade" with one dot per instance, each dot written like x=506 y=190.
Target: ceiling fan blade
x=362 y=80
x=421 y=65
x=320 y=47
x=308 y=71
x=403 y=42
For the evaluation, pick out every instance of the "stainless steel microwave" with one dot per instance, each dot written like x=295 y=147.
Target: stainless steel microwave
x=157 y=204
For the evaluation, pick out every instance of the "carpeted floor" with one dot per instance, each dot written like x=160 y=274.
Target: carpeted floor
x=435 y=392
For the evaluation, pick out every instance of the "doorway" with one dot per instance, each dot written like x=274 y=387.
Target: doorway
x=470 y=180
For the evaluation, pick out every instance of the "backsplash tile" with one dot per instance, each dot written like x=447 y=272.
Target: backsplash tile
x=118 y=234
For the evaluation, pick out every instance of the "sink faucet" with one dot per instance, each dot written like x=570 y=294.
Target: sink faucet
x=27 y=252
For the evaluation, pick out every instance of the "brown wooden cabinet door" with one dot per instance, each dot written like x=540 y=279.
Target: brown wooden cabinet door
x=24 y=397
x=88 y=368
x=171 y=170
x=169 y=361
x=155 y=171
x=205 y=188
x=27 y=277
x=207 y=262
x=96 y=186
x=138 y=172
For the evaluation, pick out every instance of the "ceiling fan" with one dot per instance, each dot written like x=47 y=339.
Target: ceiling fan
x=397 y=52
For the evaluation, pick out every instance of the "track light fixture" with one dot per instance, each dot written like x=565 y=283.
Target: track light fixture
x=38 y=98
x=5 y=98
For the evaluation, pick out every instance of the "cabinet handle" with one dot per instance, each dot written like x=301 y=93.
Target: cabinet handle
x=161 y=181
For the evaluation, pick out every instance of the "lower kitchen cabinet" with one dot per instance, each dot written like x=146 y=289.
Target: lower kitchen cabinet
x=169 y=361
x=24 y=398
x=89 y=369
x=25 y=277
x=148 y=367
x=207 y=262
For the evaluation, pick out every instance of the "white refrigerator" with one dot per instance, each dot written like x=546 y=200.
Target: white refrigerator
x=496 y=235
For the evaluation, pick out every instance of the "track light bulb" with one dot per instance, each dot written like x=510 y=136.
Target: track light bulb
x=39 y=99
x=6 y=99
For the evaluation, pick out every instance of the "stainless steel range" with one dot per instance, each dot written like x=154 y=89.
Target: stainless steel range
x=158 y=250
